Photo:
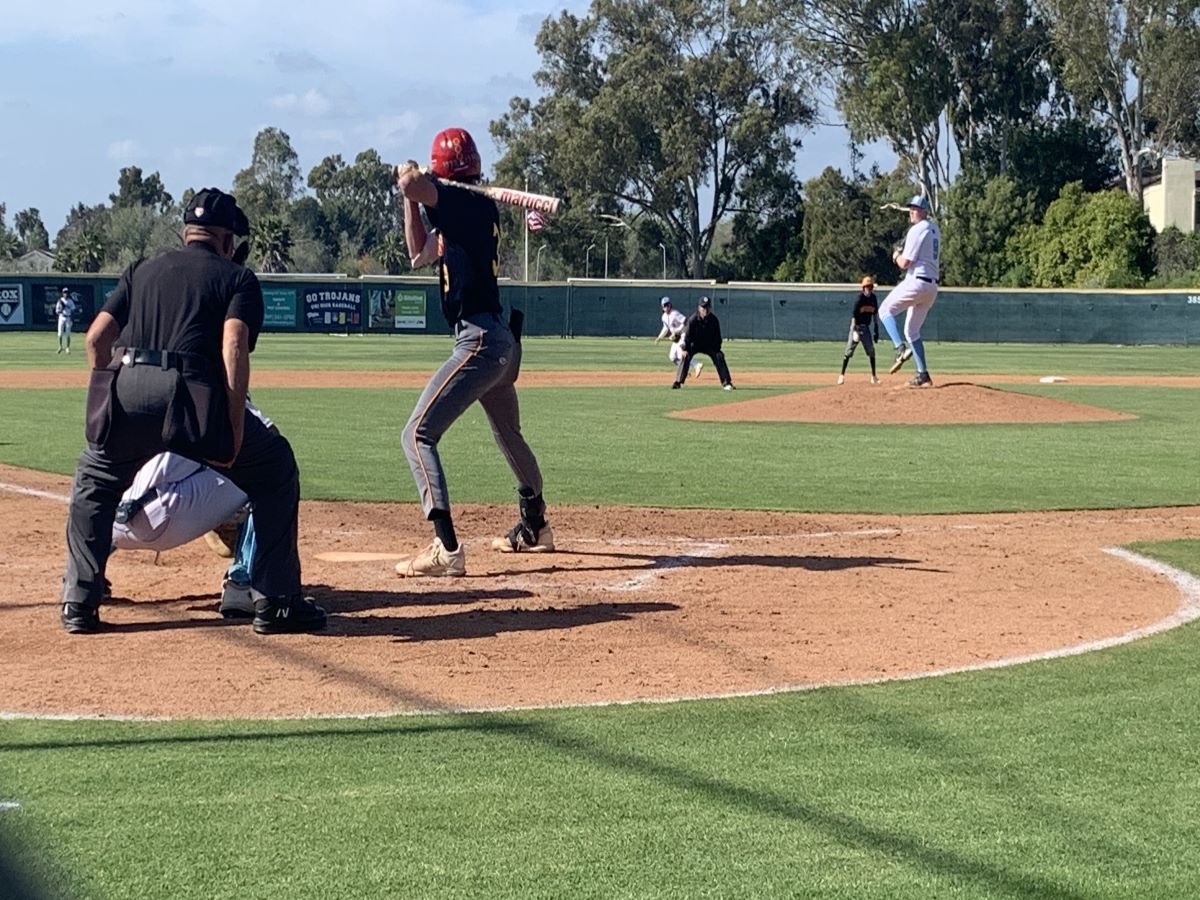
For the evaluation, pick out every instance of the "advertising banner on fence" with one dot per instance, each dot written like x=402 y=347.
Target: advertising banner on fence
x=332 y=309
x=12 y=305
x=392 y=308
x=45 y=297
x=279 y=307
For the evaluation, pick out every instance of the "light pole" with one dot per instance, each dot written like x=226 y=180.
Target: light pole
x=613 y=222
x=587 y=261
x=663 y=247
x=539 y=262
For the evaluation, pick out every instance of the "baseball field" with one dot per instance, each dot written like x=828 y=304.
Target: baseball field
x=798 y=640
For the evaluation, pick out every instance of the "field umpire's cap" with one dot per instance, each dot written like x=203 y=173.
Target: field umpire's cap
x=216 y=209
x=705 y=302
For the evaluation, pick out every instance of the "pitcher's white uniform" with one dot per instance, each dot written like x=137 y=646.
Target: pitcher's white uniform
x=919 y=287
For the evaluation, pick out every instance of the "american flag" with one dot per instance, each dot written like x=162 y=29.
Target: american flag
x=535 y=220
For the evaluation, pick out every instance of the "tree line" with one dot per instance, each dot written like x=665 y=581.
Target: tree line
x=673 y=128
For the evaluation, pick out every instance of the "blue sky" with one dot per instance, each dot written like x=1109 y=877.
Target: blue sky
x=181 y=87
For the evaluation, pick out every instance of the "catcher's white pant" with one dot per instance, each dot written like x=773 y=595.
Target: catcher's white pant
x=917 y=297
x=190 y=500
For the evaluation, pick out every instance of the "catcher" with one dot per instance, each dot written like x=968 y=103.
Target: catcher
x=862 y=318
x=674 y=324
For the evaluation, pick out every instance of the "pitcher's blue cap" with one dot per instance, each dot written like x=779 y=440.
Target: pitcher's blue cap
x=919 y=202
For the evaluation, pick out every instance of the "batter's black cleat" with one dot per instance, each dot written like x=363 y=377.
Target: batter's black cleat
x=921 y=379
x=902 y=357
x=287 y=615
x=525 y=539
x=80 y=618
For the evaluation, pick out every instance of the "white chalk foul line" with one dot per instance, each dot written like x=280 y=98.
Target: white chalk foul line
x=7 y=805
x=33 y=492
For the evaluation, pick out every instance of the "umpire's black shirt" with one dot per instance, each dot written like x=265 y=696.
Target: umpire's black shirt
x=703 y=333
x=179 y=301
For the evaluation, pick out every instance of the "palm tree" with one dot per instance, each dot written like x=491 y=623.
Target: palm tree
x=392 y=252
x=271 y=241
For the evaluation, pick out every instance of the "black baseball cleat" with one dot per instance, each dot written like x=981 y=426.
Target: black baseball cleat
x=287 y=615
x=902 y=357
x=80 y=618
x=921 y=379
x=676 y=386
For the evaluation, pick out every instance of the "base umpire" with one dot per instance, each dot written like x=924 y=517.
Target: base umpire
x=170 y=357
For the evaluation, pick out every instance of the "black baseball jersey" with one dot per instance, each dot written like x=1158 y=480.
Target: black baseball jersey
x=865 y=308
x=180 y=300
x=469 y=249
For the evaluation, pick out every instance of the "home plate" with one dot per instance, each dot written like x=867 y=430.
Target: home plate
x=352 y=556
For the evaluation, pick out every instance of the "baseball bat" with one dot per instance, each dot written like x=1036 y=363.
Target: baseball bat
x=527 y=200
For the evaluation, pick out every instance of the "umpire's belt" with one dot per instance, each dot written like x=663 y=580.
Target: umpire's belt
x=926 y=280
x=164 y=359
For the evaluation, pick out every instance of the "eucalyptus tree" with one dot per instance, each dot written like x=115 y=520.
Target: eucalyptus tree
x=660 y=111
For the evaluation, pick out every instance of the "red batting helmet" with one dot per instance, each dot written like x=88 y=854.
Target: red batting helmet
x=454 y=155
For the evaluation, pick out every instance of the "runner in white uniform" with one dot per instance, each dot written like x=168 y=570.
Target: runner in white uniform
x=674 y=323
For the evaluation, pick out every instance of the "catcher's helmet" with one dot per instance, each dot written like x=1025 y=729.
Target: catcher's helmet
x=454 y=155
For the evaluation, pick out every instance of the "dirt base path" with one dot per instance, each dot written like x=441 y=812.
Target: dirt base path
x=638 y=604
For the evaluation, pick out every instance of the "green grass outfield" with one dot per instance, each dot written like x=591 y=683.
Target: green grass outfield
x=1072 y=778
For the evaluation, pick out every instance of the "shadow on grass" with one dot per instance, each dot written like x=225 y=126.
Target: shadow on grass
x=915 y=850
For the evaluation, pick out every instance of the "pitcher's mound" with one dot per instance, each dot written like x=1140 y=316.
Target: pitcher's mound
x=947 y=403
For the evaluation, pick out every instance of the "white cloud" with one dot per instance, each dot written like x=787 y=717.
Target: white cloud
x=123 y=151
x=389 y=132
x=313 y=103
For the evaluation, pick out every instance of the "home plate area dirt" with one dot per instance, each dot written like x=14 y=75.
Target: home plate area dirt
x=637 y=604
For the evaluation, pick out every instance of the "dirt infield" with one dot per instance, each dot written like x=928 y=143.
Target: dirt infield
x=638 y=604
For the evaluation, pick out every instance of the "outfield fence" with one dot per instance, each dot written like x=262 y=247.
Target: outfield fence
x=615 y=308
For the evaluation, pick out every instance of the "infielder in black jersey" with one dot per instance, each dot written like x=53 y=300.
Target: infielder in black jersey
x=464 y=241
x=864 y=328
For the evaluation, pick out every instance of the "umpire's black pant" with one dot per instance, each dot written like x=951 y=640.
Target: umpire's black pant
x=265 y=469
x=718 y=359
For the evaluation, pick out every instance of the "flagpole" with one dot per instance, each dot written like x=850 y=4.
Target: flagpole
x=526 y=229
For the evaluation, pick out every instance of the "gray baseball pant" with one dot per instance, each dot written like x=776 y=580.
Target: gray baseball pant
x=483 y=367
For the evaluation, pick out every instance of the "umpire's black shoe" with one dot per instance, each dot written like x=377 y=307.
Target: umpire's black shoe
x=80 y=618
x=283 y=615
